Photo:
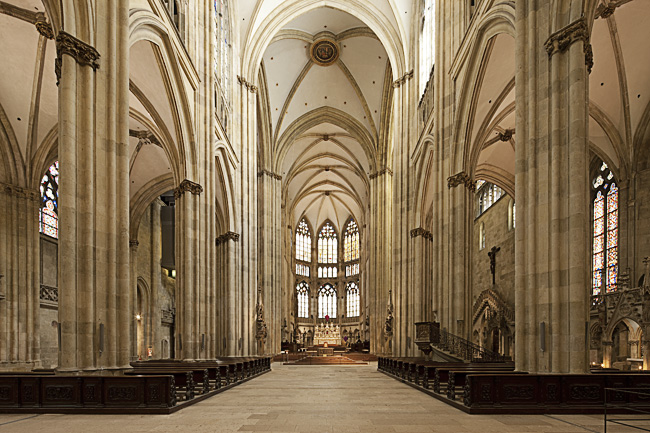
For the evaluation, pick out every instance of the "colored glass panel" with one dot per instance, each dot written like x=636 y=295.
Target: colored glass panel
x=599 y=261
x=599 y=226
x=599 y=244
x=48 y=216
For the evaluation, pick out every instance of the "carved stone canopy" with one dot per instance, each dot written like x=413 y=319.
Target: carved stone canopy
x=461 y=178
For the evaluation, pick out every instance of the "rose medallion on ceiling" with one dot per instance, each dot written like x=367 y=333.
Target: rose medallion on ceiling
x=325 y=51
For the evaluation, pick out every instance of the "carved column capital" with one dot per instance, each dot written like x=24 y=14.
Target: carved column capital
x=20 y=192
x=83 y=53
x=461 y=178
x=249 y=86
x=381 y=172
x=187 y=186
x=561 y=40
x=403 y=79
x=45 y=29
x=134 y=243
x=269 y=174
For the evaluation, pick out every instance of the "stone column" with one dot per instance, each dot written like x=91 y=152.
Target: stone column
x=155 y=278
x=551 y=183
x=95 y=299
x=270 y=269
x=248 y=194
x=402 y=261
x=133 y=286
x=187 y=270
x=228 y=248
x=20 y=283
x=379 y=269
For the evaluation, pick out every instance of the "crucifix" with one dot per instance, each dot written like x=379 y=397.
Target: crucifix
x=493 y=261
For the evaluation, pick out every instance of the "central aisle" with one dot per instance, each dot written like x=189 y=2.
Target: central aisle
x=318 y=399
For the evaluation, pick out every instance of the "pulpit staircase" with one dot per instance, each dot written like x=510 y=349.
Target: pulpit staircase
x=449 y=347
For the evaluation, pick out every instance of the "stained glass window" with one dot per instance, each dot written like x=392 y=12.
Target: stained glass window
x=605 y=232
x=351 y=242
x=302 y=293
x=303 y=241
x=327 y=301
x=327 y=244
x=352 y=291
x=49 y=214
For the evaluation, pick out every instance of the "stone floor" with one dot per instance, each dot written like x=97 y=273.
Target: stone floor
x=316 y=399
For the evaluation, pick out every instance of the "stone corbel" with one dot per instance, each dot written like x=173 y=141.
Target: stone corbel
x=187 y=186
x=606 y=10
x=228 y=236
x=461 y=178
x=249 y=86
x=561 y=40
x=83 y=53
x=422 y=232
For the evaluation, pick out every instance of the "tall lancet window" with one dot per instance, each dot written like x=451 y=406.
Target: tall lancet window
x=327 y=244
x=352 y=292
x=351 y=249
x=327 y=301
x=427 y=43
x=303 y=248
x=302 y=294
x=605 y=247
x=49 y=214
x=222 y=60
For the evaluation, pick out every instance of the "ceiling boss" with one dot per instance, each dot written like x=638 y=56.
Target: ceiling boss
x=324 y=51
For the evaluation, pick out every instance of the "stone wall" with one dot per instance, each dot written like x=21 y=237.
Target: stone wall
x=499 y=234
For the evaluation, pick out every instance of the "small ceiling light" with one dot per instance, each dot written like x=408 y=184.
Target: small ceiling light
x=138 y=317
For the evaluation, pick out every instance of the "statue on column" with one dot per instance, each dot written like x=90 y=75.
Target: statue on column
x=261 y=331
x=388 y=325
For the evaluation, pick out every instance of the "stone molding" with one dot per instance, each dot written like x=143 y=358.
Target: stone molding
x=20 y=192
x=381 y=172
x=269 y=174
x=49 y=294
x=45 y=29
x=403 y=79
x=167 y=317
x=249 y=86
x=461 y=178
x=422 y=232
x=228 y=236
x=561 y=40
x=134 y=243
x=187 y=186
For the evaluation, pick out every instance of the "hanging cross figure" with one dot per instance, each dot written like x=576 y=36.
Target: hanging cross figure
x=493 y=261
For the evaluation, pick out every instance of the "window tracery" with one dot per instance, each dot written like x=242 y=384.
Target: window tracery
x=353 y=300
x=302 y=294
x=605 y=231
x=487 y=194
x=327 y=301
x=327 y=244
x=49 y=213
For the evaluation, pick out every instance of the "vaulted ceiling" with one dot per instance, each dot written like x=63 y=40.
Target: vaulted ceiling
x=326 y=122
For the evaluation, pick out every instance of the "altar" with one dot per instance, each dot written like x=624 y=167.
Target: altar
x=326 y=334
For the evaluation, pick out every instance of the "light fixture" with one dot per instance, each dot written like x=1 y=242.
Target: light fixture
x=138 y=316
x=173 y=273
